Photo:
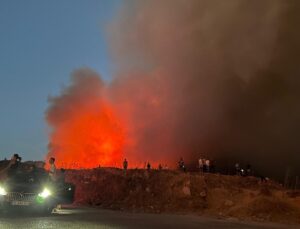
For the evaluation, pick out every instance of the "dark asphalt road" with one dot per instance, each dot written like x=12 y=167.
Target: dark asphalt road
x=94 y=218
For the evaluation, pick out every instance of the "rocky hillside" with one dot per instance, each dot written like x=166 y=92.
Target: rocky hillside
x=174 y=191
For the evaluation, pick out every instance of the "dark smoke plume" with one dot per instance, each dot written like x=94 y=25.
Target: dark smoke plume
x=193 y=78
x=209 y=77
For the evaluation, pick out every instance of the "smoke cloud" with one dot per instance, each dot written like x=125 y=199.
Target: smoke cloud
x=210 y=78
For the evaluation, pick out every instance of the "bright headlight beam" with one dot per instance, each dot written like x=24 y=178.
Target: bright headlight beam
x=45 y=193
x=2 y=191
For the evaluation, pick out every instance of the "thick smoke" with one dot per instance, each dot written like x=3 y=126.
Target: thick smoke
x=209 y=78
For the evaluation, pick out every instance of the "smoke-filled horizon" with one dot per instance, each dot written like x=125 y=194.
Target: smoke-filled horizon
x=207 y=78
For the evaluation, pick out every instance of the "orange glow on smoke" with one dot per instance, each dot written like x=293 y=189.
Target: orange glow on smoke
x=92 y=136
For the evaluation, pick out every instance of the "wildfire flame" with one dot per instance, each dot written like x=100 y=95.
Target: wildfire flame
x=88 y=139
x=86 y=133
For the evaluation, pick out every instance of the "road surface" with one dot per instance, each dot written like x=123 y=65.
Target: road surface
x=97 y=218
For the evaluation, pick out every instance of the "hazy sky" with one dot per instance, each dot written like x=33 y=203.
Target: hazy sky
x=41 y=43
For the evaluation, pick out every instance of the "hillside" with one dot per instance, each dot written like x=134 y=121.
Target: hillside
x=177 y=192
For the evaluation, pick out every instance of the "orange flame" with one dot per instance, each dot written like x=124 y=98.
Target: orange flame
x=91 y=137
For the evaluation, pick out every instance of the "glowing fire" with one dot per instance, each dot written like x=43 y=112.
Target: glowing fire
x=90 y=137
x=94 y=125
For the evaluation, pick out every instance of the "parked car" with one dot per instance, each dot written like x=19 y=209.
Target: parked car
x=30 y=188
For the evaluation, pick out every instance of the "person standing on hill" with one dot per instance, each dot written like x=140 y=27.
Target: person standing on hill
x=125 y=164
x=181 y=165
x=12 y=167
x=207 y=164
x=160 y=167
x=52 y=171
x=201 y=165
x=148 y=166
x=237 y=169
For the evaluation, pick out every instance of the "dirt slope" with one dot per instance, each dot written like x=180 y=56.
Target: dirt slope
x=174 y=191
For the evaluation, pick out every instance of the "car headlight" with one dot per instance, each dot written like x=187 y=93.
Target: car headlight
x=2 y=191
x=45 y=193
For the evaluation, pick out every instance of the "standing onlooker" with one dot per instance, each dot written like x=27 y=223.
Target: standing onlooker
x=181 y=165
x=201 y=165
x=125 y=164
x=204 y=165
x=52 y=171
x=148 y=166
x=12 y=167
x=207 y=164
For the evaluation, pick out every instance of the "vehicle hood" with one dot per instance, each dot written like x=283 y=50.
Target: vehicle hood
x=25 y=183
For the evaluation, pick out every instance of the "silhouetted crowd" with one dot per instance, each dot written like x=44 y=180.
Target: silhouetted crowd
x=204 y=166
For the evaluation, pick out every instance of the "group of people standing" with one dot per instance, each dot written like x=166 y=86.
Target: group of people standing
x=239 y=171
x=206 y=165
